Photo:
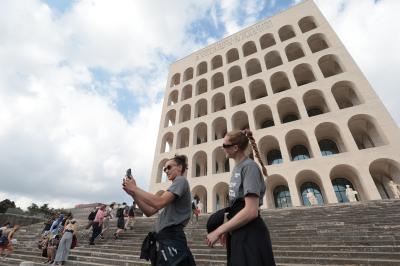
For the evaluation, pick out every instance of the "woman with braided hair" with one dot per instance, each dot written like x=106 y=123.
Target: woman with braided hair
x=245 y=234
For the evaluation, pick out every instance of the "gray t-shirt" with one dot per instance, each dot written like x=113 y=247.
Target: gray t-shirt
x=178 y=211
x=253 y=182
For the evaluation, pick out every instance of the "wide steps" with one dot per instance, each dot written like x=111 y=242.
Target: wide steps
x=366 y=233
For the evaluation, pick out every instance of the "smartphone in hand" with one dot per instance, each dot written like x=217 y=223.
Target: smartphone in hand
x=129 y=174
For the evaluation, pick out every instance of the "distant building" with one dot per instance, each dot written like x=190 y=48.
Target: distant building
x=319 y=124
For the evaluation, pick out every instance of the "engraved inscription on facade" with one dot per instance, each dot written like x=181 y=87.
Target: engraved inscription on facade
x=245 y=34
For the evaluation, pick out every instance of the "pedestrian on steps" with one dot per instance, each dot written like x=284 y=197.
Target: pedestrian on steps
x=97 y=224
x=120 y=214
x=245 y=234
x=168 y=244
x=65 y=243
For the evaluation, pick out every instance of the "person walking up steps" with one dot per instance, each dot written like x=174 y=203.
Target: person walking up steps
x=97 y=224
x=245 y=234
x=131 y=217
x=120 y=220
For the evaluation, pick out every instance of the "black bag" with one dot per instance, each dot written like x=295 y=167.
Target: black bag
x=3 y=241
x=92 y=215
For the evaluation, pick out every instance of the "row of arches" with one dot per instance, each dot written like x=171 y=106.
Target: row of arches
x=303 y=74
x=316 y=43
x=344 y=92
x=329 y=136
x=384 y=172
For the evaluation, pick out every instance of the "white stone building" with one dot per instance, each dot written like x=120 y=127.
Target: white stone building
x=317 y=121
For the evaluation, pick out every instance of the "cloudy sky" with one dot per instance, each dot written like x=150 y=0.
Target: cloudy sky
x=82 y=82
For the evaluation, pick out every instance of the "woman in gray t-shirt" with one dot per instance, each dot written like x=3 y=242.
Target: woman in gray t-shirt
x=245 y=234
x=175 y=206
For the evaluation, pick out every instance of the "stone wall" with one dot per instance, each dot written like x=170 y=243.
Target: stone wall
x=19 y=219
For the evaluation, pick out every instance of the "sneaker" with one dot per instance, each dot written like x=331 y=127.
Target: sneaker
x=115 y=236
x=91 y=243
x=101 y=236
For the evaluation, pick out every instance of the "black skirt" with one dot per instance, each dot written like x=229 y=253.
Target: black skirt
x=250 y=245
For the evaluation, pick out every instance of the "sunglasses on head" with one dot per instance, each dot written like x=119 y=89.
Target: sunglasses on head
x=168 y=168
x=225 y=146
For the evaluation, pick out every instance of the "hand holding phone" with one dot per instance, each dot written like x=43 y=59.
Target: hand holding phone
x=129 y=174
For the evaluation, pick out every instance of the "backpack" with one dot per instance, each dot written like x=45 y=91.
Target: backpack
x=92 y=215
x=131 y=211
x=120 y=212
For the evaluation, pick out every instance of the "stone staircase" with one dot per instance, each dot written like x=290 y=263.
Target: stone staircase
x=366 y=233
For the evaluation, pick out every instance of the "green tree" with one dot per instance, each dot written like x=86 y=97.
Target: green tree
x=33 y=209
x=5 y=204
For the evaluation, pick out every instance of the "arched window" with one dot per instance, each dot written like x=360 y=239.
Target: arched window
x=173 y=98
x=237 y=96
x=186 y=92
x=201 y=68
x=232 y=55
x=329 y=65
x=381 y=189
x=328 y=147
x=314 y=111
x=274 y=157
x=339 y=186
x=286 y=32
x=183 y=138
x=345 y=94
x=272 y=59
x=218 y=102
x=279 y=82
x=267 y=123
x=234 y=74
x=185 y=113
x=216 y=62
x=307 y=24
x=175 y=80
x=253 y=67
x=317 y=42
x=303 y=74
x=267 y=40
x=217 y=80
x=299 y=152
x=282 y=197
x=294 y=51
x=188 y=74
x=201 y=87
x=257 y=89
x=249 y=48
x=289 y=118
x=311 y=187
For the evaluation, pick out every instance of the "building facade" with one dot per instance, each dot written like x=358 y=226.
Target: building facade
x=317 y=121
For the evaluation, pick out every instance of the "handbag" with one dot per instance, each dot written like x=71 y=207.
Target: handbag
x=74 y=241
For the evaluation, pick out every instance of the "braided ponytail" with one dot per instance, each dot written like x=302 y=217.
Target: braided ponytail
x=254 y=148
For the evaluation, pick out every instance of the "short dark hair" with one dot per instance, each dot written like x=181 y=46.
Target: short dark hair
x=180 y=160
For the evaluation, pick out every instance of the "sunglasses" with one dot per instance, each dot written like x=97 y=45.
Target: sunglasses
x=167 y=168
x=225 y=146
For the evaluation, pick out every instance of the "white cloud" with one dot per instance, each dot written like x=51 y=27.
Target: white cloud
x=369 y=31
x=62 y=139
